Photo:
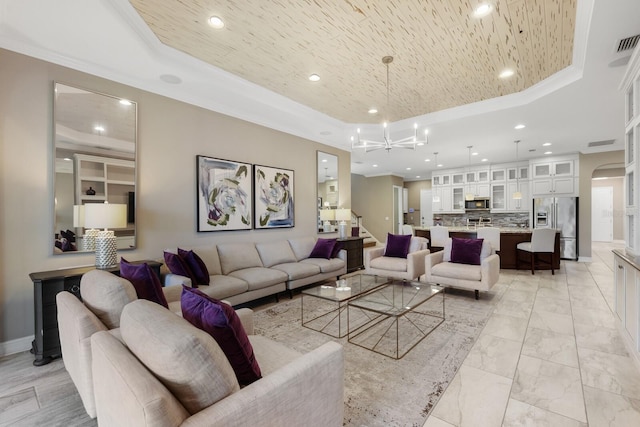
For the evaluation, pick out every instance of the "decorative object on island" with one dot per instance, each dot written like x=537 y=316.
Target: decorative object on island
x=273 y=197
x=517 y=195
x=343 y=215
x=387 y=143
x=224 y=194
x=327 y=215
x=105 y=215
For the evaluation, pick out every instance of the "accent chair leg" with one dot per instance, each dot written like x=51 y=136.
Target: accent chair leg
x=277 y=298
x=533 y=257
x=290 y=293
x=551 y=263
x=477 y=294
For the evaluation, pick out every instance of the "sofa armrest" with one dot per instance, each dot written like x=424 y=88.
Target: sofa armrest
x=490 y=269
x=432 y=260
x=370 y=254
x=416 y=263
x=246 y=318
x=173 y=293
x=308 y=391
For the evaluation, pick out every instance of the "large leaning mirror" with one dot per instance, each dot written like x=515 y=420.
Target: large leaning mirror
x=95 y=162
x=327 y=185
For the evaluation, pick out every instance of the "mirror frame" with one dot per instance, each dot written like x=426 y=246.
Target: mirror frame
x=76 y=140
x=326 y=169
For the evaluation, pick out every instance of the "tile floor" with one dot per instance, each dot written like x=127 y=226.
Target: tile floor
x=550 y=355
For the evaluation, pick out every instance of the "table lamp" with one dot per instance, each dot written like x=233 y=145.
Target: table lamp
x=343 y=215
x=327 y=215
x=89 y=236
x=105 y=215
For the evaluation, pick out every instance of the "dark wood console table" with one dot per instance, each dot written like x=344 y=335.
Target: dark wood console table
x=354 y=248
x=46 y=285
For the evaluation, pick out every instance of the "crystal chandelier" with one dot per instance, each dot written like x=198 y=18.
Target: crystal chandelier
x=410 y=142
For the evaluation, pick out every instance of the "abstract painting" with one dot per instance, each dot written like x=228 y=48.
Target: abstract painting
x=273 y=197
x=224 y=194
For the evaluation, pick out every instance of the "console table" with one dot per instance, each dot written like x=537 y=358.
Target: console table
x=46 y=285
x=354 y=247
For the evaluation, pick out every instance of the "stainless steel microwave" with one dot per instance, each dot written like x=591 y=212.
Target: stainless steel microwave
x=477 y=205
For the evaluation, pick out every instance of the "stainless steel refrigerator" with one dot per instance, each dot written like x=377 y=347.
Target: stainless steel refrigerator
x=560 y=213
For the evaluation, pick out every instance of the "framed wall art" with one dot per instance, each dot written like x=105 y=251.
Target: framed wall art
x=225 y=191
x=273 y=197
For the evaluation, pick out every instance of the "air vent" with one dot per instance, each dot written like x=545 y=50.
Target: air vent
x=628 y=44
x=601 y=143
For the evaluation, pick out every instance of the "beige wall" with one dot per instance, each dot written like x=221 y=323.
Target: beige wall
x=170 y=134
x=618 y=202
x=372 y=199
x=589 y=163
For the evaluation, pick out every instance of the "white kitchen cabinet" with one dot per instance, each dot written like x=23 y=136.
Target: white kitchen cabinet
x=627 y=310
x=457 y=198
x=498 y=174
x=478 y=189
x=553 y=186
x=553 y=169
x=498 y=197
x=442 y=199
x=517 y=172
x=518 y=205
x=457 y=178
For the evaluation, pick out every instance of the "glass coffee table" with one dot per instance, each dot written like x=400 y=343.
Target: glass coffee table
x=394 y=318
x=324 y=306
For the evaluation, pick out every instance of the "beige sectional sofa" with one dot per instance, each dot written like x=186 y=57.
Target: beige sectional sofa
x=409 y=268
x=165 y=372
x=242 y=272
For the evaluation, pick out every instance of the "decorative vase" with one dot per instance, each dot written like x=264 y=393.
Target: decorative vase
x=91 y=192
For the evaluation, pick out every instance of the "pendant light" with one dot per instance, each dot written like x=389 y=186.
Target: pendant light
x=469 y=195
x=436 y=197
x=517 y=195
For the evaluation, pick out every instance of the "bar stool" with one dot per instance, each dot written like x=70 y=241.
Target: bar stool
x=542 y=242
x=439 y=236
x=492 y=235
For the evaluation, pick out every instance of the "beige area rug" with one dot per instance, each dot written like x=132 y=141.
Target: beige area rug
x=381 y=391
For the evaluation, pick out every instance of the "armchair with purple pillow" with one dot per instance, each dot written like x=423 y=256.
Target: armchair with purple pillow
x=464 y=264
x=401 y=257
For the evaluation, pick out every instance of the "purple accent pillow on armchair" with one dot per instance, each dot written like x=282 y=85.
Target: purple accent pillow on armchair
x=323 y=248
x=397 y=245
x=221 y=322
x=144 y=280
x=466 y=251
x=177 y=265
x=196 y=265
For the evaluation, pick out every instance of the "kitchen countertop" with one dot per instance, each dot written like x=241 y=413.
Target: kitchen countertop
x=473 y=229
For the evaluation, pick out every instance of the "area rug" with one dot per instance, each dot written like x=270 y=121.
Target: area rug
x=381 y=391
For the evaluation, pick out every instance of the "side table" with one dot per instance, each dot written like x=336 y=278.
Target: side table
x=46 y=285
x=354 y=248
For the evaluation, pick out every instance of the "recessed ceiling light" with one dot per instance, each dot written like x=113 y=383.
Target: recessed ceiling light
x=427 y=160
x=408 y=169
x=484 y=160
x=417 y=176
x=548 y=152
x=519 y=126
x=375 y=166
x=482 y=10
x=420 y=144
x=67 y=159
x=125 y=102
x=170 y=78
x=506 y=73
x=216 y=22
x=474 y=154
x=314 y=77
x=98 y=128
x=546 y=144
x=373 y=111
x=324 y=160
x=439 y=165
x=325 y=132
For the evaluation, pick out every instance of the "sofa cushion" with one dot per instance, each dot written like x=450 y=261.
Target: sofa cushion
x=273 y=253
x=326 y=265
x=237 y=256
x=297 y=270
x=196 y=265
x=397 y=245
x=221 y=322
x=221 y=287
x=144 y=280
x=323 y=248
x=208 y=254
x=178 y=265
x=389 y=263
x=260 y=277
x=466 y=251
x=302 y=247
x=457 y=271
x=185 y=359
x=106 y=294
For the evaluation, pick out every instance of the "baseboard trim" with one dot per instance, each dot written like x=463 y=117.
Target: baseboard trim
x=584 y=259
x=15 y=346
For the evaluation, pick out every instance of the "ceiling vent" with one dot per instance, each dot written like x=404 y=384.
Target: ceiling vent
x=601 y=143
x=628 y=44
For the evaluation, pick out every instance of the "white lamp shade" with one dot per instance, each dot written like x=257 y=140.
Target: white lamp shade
x=105 y=215
x=327 y=214
x=343 y=214
x=78 y=216
x=517 y=195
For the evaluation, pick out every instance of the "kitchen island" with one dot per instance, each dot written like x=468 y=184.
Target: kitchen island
x=509 y=239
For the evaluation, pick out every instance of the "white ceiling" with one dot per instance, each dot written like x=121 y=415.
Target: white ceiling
x=575 y=106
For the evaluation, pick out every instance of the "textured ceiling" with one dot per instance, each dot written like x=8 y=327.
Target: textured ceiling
x=443 y=56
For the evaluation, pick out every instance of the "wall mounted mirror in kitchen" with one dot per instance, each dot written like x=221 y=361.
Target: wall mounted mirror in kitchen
x=94 y=138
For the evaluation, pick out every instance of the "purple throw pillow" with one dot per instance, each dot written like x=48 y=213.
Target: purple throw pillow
x=323 y=248
x=397 y=245
x=221 y=322
x=144 y=280
x=466 y=251
x=196 y=265
x=177 y=265
x=336 y=249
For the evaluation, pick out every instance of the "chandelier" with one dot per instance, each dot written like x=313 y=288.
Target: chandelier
x=410 y=142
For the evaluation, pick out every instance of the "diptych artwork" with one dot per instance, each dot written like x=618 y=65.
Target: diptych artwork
x=273 y=197
x=224 y=194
